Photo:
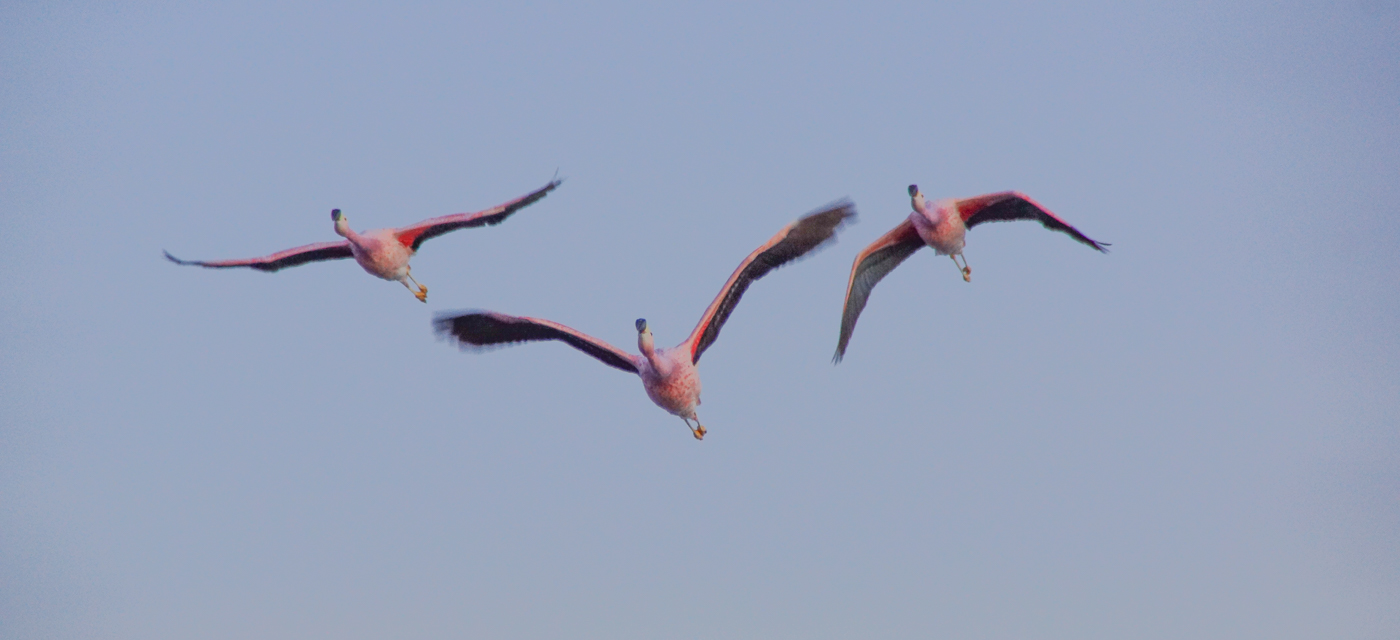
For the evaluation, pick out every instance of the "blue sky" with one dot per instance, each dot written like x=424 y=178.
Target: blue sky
x=1196 y=435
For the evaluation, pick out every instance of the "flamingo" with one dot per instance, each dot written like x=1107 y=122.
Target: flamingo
x=943 y=226
x=384 y=253
x=668 y=375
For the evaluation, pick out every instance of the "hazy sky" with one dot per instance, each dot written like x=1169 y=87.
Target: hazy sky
x=1194 y=436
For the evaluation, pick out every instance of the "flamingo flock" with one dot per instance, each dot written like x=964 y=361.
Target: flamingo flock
x=669 y=376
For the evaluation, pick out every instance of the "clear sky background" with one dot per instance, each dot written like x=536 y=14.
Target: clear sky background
x=1195 y=436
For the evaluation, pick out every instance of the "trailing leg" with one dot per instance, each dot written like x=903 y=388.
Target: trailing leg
x=419 y=292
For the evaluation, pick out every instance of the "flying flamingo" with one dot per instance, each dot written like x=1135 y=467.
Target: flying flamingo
x=668 y=375
x=384 y=253
x=943 y=226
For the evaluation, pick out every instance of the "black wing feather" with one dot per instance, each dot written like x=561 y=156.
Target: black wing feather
x=485 y=329
x=869 y=272
x=493 y=219
x=335 y=252
x=1021 y=208
x=808 y=233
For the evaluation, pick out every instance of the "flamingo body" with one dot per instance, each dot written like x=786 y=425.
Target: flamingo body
x=672 y=381
x=384 y=253
x=668 y=375
x=381 y=254
x=942 y=226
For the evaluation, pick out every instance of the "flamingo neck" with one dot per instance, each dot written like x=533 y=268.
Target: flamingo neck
x=647 y=345
x=921 y=205
x=932 y=213
x=342 y=229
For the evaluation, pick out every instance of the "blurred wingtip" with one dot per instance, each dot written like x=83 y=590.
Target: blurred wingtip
x=445 y=328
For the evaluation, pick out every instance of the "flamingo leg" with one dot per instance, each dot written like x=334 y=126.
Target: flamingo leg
x=420 y=293
x=421 y=289
x=966 y=270
x=698 y=430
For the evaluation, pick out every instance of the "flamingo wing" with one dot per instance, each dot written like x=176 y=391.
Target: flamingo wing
x=484 y=329
x=279 y=260
x=870 y=266
x=414 y=235
x=794 y=241
x=1013 y=205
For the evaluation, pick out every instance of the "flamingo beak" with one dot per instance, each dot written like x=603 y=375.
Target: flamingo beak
x=913 y=190
x=641 y=325
x=335 y=215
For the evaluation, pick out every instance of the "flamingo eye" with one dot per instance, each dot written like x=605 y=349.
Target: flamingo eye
x=913 y=190
x=641 y=325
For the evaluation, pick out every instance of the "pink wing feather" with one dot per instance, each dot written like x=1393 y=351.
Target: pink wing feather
x=869 y=267
x=1014 y=205
x=279 y=260
x=414 y=235
x=793 y=242
x=485 y=329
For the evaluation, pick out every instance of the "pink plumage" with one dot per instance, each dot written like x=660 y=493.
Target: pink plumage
x=669 y=376
x=942 y=226
x=383 y=253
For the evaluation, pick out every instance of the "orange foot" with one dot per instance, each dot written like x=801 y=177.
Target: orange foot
x=699 y=431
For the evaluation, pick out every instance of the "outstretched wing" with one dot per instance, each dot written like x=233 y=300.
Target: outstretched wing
x=794 y=241
x=412 y=236
x=279 y=260
x=483 y=329
x=1014 y=205
x=872 y=264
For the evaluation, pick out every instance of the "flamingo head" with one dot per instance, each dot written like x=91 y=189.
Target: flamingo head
x=342 y=224
x=645 y=341
x=916 y=197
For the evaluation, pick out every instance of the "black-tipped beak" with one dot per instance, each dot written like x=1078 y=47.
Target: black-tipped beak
x=641 y=325
x=335 y=215
x=913 y=190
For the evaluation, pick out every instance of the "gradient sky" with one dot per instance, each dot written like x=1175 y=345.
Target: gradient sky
x=1194 y=436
